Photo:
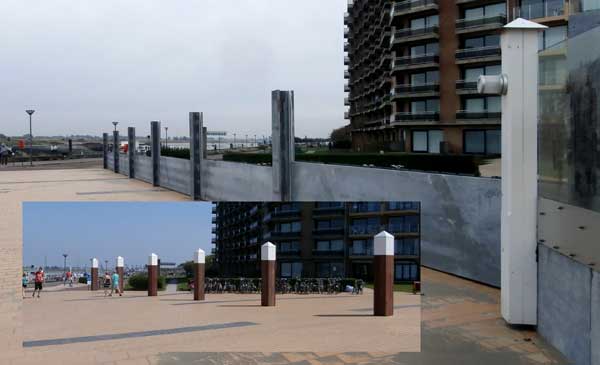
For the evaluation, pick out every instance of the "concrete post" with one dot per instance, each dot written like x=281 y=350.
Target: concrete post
x=383 y=250
x=152 y=275
x=120 y=271
x=94 y=273
x=204 y=142
x=105 y=149
x=267 y=269
x=196 y=148
x=131 y=151
x=116 y=145
x=155 y=146
x=282 y=104
x=519 y=42
x=199 y=267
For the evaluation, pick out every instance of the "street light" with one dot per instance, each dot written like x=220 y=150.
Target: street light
x=115 y=124
x=105 y=265
x=65 y=264
x=30 y=112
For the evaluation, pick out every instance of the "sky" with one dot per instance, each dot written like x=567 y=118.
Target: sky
x=106 y=230
x=84 y=64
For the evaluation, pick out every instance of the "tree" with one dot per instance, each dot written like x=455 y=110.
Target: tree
x=341 y=137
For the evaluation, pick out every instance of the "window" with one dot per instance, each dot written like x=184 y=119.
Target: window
x=290 y=227
x=472 y=74
x=330 y=269
x=420 y=23
x=406 y=271
x=365 y=207
x=362 y=247
x=404 y=224
x=489 y=104
x=336 y=223
x=483 y=41
x=482 y=141
x=532 y=9
x=293 y=246
x=486 y=11
x=551 y=36
x=406 y=246
x=365 y=225
x=289 y=207
x=427 y=141
x=425 y=106
x=329 y=205
x=590 y=5
x=403 y=206
x=425 y=78
x=291 y=269
x=423 y=49
x=330 y=245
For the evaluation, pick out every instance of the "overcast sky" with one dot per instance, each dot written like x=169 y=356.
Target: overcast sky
x=106 y=230
x=84 y=64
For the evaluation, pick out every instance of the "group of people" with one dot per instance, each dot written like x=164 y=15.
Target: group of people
x=111 y=284
x=39 y=278
x=5 y=153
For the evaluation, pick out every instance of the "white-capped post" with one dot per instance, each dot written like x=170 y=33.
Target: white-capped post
x=95 y=284
x=199 y=267
x=383 y=249
x=152 y=275
x=267 y=268
x=120 y=271
x=519 y=42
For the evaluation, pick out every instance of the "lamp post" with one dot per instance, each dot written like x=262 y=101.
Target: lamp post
x=65 y=264
x=30 y=112
x=105 y=265
x=115 y=124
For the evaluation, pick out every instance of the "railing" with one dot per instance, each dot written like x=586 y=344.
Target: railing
x=403 y=206
x=403 y=228
x=540 y=10
x=409 y=5
x=480 y=22
x=417 y=116
x=328 y=231
x=317 y=252
x=361 y=252
x=415 y=60
x=364 y=230
x=411 y=88
x=478 y=52
x=466 y=85
x=465 y=114
x=412 y=32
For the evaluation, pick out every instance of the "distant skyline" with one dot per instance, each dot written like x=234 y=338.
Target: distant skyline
x=82 y=65
x=106 y=230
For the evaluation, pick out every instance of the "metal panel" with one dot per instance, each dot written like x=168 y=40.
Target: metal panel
x=143 y=168
x=175 y=174
x=229 y=181
x=123 y=164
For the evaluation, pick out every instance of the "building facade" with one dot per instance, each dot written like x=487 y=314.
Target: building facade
x=323 y=239
x=413 y=67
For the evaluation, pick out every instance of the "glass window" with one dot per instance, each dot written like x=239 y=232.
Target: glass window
x=493 y=104
x=475 y=104
x=322 y=245
x=419 y=141
x=337 y=245
x=590 y=5
x=406 y=271
x=472 y=74
x=432 y=48
x=493 y=143
x=411 y=224
x=286 y=269
x=495 y=9
x=474 y=142
x=552 y=36
x=474 y=42
x=296 y=269
x=425 y=77
x=474 y=13
x=417 y=23
x=435 y=138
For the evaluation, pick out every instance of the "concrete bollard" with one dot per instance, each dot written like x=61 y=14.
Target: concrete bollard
x=199 y=267
x=384 y=274
x=105 y=150
x=120 y=271
x=131 y=151
x=116 y=148
x=152 y=275
x=95 y=283
x=196 y=146
x=267 y=269
x=155 y=147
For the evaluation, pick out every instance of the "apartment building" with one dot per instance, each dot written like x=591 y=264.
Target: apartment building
x=323 y=239
x=413 y=67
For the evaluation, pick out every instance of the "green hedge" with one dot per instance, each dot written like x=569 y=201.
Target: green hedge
x=140 y=282
x=458 y=164
x=175 y=152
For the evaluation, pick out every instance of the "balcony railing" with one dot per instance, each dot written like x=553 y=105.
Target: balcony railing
x=479 y=52
x=466 y=85
x=403 y=228
x=463 y=24
x=415 y=60
x=411 y=6
x=417 y=116
x=346 y=74
x=361 y=252
x=415 y=89
x=540 y=10
x=364 y=230
x=403 y=34
x=328 y=252
x=328 y=231
x=466 y=114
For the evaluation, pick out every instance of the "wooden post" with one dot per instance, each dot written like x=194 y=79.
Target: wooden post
x=199 y=267
x=120 y=271
x=95 y=283
x=384 y=274
x=152 y=275
x=267 y=269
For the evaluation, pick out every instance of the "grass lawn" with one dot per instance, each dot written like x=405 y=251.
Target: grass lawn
x=183 y=287
x=407 y=288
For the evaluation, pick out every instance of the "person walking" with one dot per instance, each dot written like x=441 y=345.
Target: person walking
x=4 y=153
x=39 y=281
x=115 y=284
x=24 y=282
x=107 y=284
x=69 y=278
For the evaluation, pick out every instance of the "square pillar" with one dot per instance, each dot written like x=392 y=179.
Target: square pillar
x=120 y=271
x=152 y=275
x=383 y=250
x=199 y=267
x=196 y=148
x=155 y=146
x=116 y=145
x=131 y=151
x=105 y=150
x=95 y=283
x=282 y=104
x=267 y=269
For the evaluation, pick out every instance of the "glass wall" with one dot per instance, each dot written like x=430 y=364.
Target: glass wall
x=569 y=126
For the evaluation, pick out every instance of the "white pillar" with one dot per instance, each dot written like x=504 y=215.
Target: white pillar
x=94 y=263
x=519 y=42
x=153 y=260
x=199 y=256
x=120 y=261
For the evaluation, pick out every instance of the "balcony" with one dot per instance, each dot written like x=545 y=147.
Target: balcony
x=346 y=60
x=408 y=35
x=363 y=230
x=346 y=74
x=346 y=115
x=403 y=207
x=347 y=19
x=346 y=102
x=414 y=62
x=293 y=212
x=424 y=116
x=464 y=87
x=346 y=88
x=330 y=210
x=346 y=46
x=288 y=253
x=361 y=252
x=479 y=116
x=413 y=6
x=480 y=24
x=546 y=9
x=329 y=231
x=403 y=228
x=422 y=90
x=328 y=253
x=480 y=54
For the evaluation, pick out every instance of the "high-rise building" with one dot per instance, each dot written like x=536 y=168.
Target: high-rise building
x=413 y=67
x=320 y=239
